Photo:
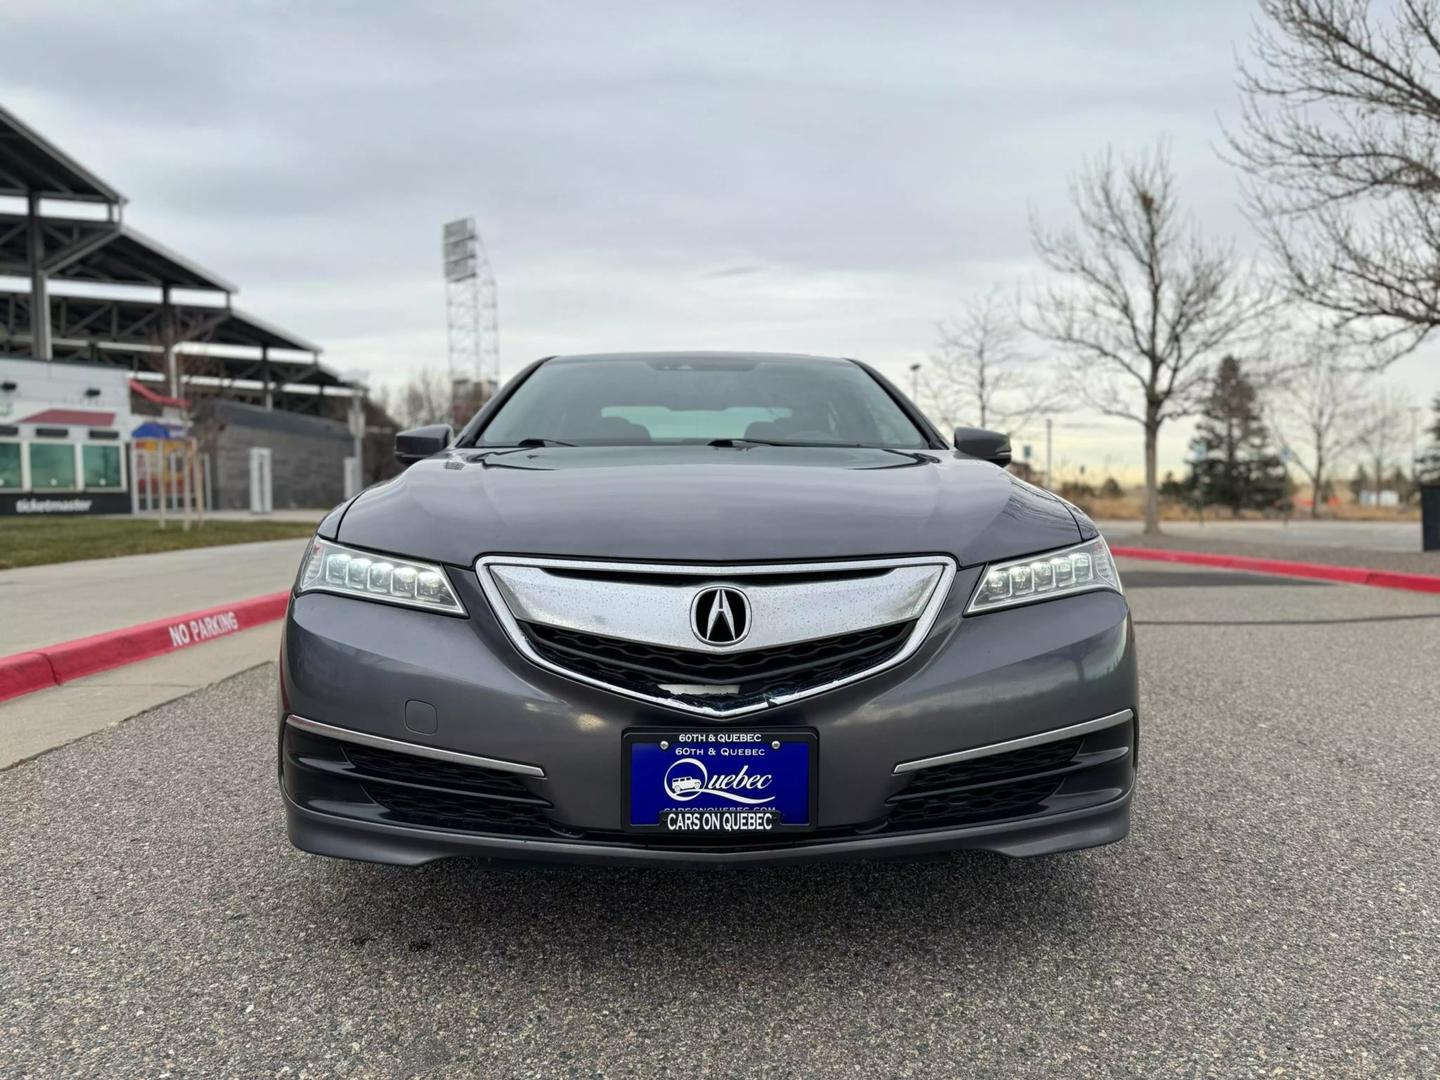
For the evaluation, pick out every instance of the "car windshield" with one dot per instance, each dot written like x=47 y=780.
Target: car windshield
x=624 y=401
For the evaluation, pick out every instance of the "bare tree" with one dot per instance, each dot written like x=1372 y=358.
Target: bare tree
x=1143 y=306
x=1341 y=134
x=422 y=399
x=981 y=374
x=1317 y=415
x=1381 y=431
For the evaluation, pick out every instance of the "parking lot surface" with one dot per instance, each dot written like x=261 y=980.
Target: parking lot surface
x=1275 y=912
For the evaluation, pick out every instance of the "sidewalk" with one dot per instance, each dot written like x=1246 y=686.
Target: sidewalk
x=44 y=605
x=1375 y=545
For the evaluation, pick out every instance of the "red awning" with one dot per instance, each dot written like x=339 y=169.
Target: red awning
x=71 y=416
x=158 y=399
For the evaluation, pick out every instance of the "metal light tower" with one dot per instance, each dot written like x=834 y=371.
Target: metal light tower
x=472 y=315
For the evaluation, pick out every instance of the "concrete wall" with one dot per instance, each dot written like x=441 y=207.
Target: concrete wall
x=307 y=455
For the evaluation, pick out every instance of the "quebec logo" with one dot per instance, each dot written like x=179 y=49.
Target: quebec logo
x=687 y=778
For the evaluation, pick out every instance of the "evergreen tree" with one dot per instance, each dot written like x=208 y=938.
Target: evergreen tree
x=1401 y=484
x=1360 y=482
x=1238 y=469
x=1172 y=488
x=1428 y=467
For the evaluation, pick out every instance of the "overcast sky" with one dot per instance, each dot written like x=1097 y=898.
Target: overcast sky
x=824 y=176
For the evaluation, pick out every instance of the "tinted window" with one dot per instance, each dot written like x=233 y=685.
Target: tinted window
x=9 y=465
x=593 y=402
x=102 y=466
x=52 y=465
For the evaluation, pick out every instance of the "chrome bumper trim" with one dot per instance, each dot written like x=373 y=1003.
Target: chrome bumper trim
x=414 y=749
x=653 y=604
x=1121 y=717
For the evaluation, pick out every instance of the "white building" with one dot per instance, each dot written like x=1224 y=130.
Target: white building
x=64 y=438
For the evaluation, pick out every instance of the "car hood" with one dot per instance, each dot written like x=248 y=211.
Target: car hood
x=705 y=504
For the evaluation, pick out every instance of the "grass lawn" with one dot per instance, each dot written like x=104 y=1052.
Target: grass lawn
x=36 y=541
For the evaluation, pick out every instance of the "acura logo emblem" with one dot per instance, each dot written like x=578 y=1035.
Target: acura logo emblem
x=720 y=615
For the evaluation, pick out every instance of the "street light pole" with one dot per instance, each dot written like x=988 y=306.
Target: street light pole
x=915 y=383
x=1049 y=424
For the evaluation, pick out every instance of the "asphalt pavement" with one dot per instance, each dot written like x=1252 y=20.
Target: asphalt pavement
x=1275 y=912
x=34 y=723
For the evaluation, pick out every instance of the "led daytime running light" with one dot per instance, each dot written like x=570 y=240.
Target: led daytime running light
x=331 y=568
x=1083 y=568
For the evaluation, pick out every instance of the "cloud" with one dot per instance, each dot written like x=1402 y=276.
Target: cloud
x=815 y=176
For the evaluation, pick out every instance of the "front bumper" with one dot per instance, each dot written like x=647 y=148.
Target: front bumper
x=344 y=838
x=994 y=679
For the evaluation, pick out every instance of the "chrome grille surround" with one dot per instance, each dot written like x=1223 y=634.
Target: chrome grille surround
x=650 y=603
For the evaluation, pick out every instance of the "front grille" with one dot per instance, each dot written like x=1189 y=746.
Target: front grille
x=630 y=627
x=758 y=673
x=986 y=788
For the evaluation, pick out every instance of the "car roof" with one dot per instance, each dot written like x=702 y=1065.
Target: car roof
x=692 y=354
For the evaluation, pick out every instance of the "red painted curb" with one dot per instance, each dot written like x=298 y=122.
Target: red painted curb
x=1351 y=575
x=37 y=669
x=24 y=673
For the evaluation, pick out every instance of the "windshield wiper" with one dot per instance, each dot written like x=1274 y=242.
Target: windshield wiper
x=542 y=442
x=774 y=442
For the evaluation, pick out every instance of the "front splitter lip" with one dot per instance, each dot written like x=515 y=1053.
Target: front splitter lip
x=341 y=837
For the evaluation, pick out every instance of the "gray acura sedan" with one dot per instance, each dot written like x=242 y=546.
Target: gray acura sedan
x=705 y=608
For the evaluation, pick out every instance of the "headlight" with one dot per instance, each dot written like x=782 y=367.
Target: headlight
x=332 y=568
x=1082 y=568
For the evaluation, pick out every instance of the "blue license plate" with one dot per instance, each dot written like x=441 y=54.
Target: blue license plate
x=720 y=781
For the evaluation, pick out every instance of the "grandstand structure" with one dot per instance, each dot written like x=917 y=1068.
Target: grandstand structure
x=79 y=284
x=202 y=345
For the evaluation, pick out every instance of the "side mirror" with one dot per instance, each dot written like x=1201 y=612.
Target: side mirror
x=419 y=443
x=991 y=446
